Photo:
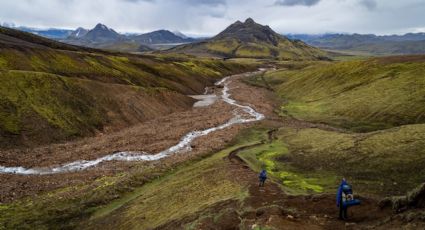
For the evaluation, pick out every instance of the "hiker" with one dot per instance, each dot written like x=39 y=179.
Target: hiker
x=345 y=199
x=262 y=177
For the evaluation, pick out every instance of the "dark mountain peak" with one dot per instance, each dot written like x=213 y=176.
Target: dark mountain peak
x=103 y=27
x=249 y=21
x=161 y=36
x=250 y=31
x=162 y=31
x=101 y=33
x=100 y=26
x=78 y=33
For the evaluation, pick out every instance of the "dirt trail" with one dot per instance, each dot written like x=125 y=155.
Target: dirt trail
x=270 y=205
x=278 y=209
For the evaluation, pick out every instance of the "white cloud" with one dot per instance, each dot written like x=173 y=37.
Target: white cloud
x=208 y=17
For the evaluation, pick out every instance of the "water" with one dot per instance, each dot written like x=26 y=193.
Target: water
x=183 y=146
x=204 y=100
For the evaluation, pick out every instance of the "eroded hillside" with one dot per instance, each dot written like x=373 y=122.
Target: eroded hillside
x=52 y=91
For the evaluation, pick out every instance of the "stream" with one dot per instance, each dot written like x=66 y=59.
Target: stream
x=242 y=114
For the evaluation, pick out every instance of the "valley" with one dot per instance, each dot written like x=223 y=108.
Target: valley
x=99 y=139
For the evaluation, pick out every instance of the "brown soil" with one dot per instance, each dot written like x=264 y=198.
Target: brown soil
x=268 y=205
x=271 y=206
x=151 y=136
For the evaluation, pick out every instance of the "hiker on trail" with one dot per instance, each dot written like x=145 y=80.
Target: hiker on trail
x=345 y=199
x=262 y=177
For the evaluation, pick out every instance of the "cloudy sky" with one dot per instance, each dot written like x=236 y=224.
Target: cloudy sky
x=208 y=17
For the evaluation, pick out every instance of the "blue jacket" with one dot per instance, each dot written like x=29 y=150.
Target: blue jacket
x=263 y=174
x=339 y=193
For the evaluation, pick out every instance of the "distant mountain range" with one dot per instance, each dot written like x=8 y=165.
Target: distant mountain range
x=104 y=37
x=252 y=40
x=161 y=37
x=78 y=33
x=411 y=43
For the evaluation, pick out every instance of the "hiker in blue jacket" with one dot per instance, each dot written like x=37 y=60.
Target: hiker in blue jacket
x=262 y=177
x=345 y=199
x=339 y=200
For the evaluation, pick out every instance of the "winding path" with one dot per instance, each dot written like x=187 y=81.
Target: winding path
x=248 y=115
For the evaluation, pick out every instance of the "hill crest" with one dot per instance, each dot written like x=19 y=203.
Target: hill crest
x=252 y=40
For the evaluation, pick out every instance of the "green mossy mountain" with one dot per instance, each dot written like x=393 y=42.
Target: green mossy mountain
x=363 y=95
x=52 y=91
x=251 y=40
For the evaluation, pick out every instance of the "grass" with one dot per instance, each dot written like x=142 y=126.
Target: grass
x=235 y=48
x=385 y=162
x=391 y=93
x=268 y=156
x=57 y=100
x=313 y=161
x=66 y=207
x=160 y=194
x=380 y=100
x=181 y=193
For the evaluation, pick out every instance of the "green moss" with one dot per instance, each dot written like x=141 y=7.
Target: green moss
x=181 y=193
x=253 y=50
x=57 y=100
x=357 y=95
x=3 y=63
x=386 y=162
x=268 y=156
x=10 y=116
x=223 y=46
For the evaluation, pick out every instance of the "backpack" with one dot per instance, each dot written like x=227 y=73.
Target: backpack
x=347 y=189
x=263 y=174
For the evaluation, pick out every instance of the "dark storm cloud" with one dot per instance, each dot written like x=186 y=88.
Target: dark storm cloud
x=296 y=2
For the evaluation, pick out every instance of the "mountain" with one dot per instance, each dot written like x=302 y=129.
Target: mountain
x=411 y=43
x=160 y=37
x=78 y=33
x=48 y=33
x=16 y=39
x=101 y=33
x=250 y=39
x=405 y=37
x=102 y=37
x=180 y=34
x=52 y=33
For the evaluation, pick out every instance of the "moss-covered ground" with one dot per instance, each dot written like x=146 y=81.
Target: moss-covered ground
x=65 y=92
x=361 y=95
x=378 y=102
x=312 y=160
